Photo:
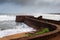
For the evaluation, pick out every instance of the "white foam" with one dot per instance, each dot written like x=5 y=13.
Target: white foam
x=13 y=31
x=20 y=28
x=47 y=16
x=6 y=17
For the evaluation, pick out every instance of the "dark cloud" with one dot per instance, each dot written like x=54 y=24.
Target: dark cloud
x=31 y=2
x=2 y=1
x=29 y=6
x=36 y=2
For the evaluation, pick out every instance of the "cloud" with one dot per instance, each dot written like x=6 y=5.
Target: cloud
x=29 y=6
x=37 y=2
x=2 y=1
x=32 y=2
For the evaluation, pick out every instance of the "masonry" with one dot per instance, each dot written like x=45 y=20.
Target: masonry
x=39 y=21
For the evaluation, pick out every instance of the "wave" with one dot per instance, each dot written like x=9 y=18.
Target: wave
x=7 y=17
x=13 y=17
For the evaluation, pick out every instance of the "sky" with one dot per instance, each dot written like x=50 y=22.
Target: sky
x=29 y=6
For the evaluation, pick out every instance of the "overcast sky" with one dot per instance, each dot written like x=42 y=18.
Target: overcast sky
x=29 y=6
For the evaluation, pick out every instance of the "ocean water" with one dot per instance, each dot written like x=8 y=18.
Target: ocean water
x=11 y=27
x=8 y=21
x=8 y=26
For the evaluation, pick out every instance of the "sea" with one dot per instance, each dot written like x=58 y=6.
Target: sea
x=8 y=26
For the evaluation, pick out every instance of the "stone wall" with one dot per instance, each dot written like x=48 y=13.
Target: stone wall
x=21 y=18
x=38 y=24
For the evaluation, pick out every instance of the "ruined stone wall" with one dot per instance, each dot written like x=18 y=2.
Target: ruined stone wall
x=48 y=20
x=21 y=18
x=37 y=23
x=52 y=21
